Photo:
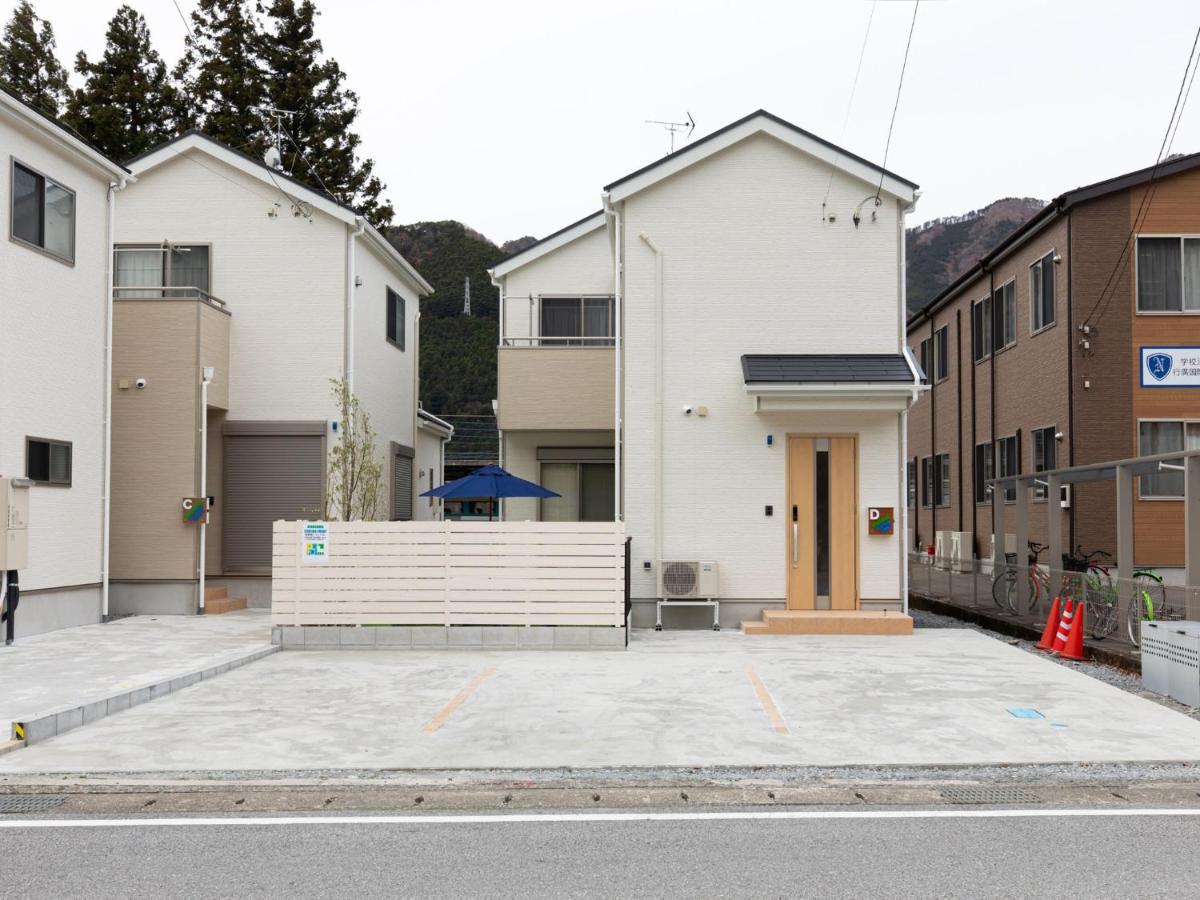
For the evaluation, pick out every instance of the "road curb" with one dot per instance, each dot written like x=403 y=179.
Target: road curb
x=42 y=726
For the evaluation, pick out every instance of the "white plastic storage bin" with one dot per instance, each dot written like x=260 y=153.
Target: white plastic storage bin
x=1156 y=657
x=1183 y=676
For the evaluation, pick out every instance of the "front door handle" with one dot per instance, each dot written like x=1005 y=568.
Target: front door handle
x=795 y=544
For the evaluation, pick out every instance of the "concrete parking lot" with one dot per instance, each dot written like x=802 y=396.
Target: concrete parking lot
x=939 y=697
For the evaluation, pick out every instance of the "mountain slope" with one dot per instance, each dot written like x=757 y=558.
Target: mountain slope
x=942 y=249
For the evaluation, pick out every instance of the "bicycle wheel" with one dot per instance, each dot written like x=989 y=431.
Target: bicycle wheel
x=1002 y=586
x=1146 y=603
x=1101 y=606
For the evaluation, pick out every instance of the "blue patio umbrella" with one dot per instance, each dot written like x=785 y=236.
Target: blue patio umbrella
x=489 y=483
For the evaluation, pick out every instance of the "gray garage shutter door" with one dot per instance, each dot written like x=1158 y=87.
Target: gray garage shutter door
x=267 y=477
x=402 y=505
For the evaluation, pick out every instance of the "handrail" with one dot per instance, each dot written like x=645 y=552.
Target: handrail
x=546 y=341
x=165 y=292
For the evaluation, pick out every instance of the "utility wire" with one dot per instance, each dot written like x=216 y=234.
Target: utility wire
x=184 y=18
x=1122 y=261
x=903 y=66
x=850 y=103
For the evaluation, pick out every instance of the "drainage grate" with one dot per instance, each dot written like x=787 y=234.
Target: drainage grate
x=989 y=795
x=27 y=803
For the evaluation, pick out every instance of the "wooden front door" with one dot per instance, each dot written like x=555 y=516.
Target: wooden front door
x=822 y=537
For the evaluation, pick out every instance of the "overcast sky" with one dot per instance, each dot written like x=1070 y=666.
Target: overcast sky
x=510 y=116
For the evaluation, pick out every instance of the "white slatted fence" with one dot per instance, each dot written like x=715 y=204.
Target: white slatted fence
x=450 y=573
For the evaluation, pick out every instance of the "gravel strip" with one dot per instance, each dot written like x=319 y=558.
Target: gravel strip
x=1126 y=681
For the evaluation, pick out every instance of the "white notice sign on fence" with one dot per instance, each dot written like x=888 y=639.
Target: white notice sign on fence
x=314 y=542
x=1173 y=367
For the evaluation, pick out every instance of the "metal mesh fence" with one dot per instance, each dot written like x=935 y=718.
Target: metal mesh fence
x=1113 y=607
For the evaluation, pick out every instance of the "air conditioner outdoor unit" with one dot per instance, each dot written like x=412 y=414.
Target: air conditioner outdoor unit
x=962 y=552
x=687 y=580
x=941 y=549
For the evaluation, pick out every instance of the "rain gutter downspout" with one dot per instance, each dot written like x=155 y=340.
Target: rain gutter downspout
x=658 y=395
x=618 y=512
x=360 y=227
x=106 y=503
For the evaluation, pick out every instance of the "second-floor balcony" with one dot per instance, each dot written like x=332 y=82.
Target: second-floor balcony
x=555 y=387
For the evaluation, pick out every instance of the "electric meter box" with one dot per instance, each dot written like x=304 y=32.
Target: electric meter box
x=14 y=523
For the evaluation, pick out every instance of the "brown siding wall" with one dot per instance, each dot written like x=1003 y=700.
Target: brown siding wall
x=1175 y=210
x=555 y=387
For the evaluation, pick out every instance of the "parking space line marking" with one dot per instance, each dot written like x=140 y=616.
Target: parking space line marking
x=768 y=705
x=459 y=699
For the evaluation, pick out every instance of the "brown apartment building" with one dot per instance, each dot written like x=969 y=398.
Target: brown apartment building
x=1067 y=344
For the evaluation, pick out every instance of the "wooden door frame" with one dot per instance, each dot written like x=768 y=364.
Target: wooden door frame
x=787 y=520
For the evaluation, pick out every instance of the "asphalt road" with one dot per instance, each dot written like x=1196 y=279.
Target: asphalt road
x=943 y=853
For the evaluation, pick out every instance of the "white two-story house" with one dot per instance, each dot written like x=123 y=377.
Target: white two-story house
x=717 y=358
x=57 y=194
x=227 y=265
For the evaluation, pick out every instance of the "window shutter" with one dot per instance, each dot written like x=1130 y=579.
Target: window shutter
x=267 y=477
x=402 y=505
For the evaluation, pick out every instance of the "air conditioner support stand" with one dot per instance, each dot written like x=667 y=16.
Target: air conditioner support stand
x=715 y=604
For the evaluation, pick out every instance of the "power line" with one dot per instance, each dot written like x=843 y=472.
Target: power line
x=184 y=18
x=1185 y=89
x=903 y=66
x=850 y=103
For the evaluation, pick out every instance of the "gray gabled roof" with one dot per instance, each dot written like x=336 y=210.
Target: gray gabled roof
x=827 y=368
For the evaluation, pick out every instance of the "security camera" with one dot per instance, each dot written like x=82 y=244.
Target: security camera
x=140 y=383
x=1058 y=435
x=687 y=410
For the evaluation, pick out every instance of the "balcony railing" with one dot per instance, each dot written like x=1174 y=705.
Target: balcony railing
x=166 y=292
x=542 y=341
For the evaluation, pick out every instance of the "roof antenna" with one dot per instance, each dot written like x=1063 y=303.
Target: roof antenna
x=273 y=118
x=675 y=128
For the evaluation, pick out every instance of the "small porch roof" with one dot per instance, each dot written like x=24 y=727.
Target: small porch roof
x=790 y=381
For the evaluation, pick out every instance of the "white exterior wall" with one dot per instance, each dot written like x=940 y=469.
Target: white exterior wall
x=749 y=267
x=428 y=473
x=52 y=319
x=384 y=375
x=583 y=266
x=283 y=279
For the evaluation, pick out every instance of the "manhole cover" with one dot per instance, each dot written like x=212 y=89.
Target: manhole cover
x=27 y=803
x=988 y=795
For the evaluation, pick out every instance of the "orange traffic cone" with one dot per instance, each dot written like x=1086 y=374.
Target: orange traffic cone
x=1064 y=627
x=1051 y=629
x=1074 y=647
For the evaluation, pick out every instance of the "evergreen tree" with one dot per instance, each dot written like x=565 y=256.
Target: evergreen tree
x=321 y=112
x=126 y=104
x=220 y=77
x=28 y=65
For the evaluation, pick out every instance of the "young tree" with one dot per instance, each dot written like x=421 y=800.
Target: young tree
x=323 y=148
x=29 y=67
x=356 y=488
x=126 y=105
x=220 y=75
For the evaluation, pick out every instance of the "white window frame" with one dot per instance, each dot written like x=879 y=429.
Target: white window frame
x=1137 y=293
x=1000 y=290
x=1156 y=498
x=1035 y=296
x=1041 y=491
x=987 y=332
x=13 y=162
x=998 y=458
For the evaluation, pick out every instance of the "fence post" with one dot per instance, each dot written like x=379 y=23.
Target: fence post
x=446 y=572
x=1124 y=525
x=1022 y=543
x=297 y=530
x=1054 y=519
x=1191 y=523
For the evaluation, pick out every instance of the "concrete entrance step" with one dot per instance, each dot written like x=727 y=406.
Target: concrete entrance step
x=223 y=605
x=829 y=621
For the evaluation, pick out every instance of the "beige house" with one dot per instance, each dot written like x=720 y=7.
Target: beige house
x=240 y=294
x=717 y=357
x=58 y=195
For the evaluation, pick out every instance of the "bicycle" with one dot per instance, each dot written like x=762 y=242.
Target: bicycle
x=1147 y=603
x=1004 y=585
x=1100 y=597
